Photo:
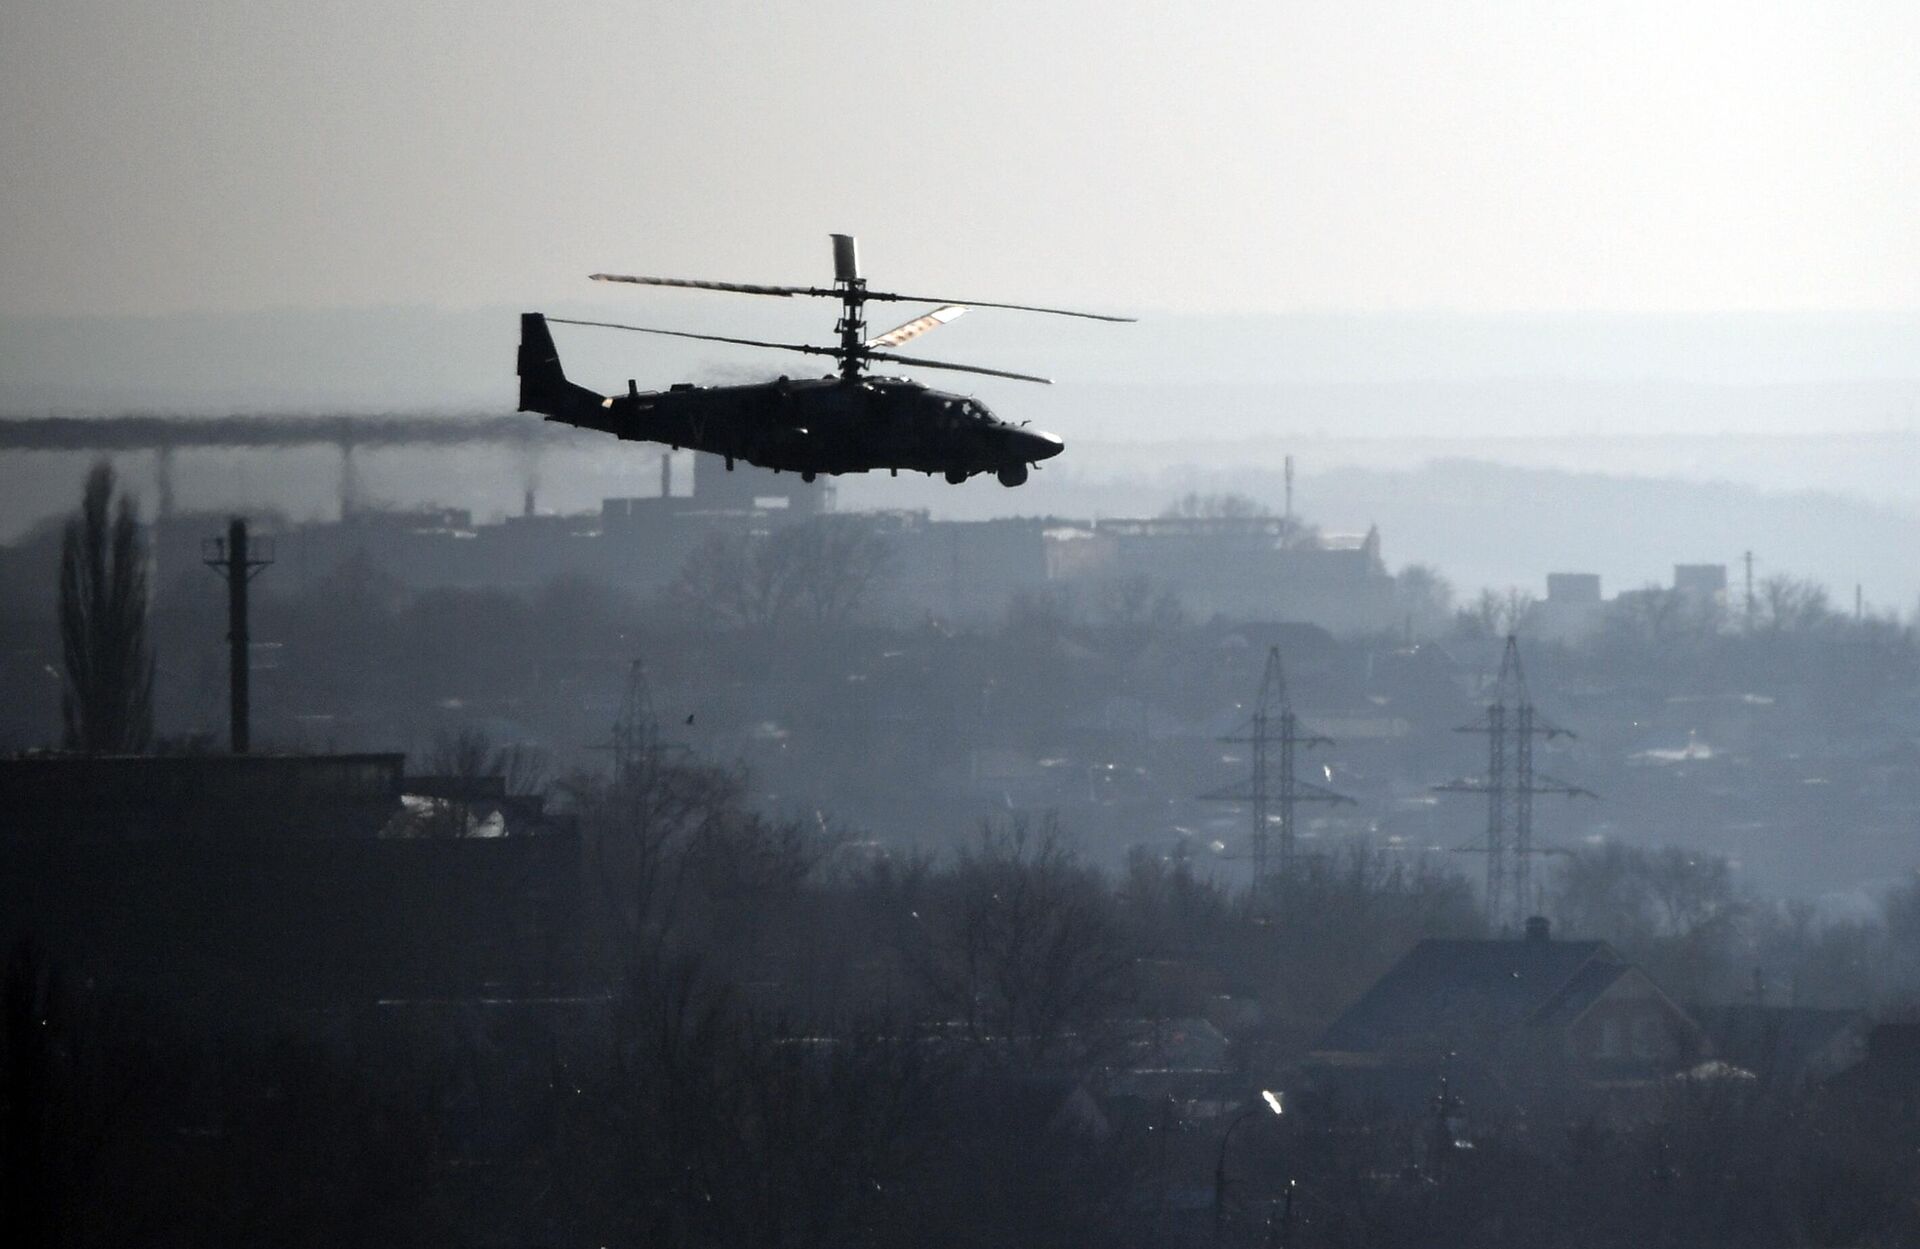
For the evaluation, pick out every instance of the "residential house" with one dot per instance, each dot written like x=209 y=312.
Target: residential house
x=1508 y=1023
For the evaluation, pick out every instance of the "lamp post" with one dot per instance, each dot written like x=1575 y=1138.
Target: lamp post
x=1282 y=1235
x=1269 y=1102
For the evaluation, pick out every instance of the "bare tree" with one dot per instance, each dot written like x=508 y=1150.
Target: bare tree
x=834 y=561
x=818 y=571
x=1137 y=606
x=1480 y=618
x=465 y=754
x=469 y=754
x=685 y=869
x=1024 y=946
x=726 y=582
x=1792 y=605
x=1516 y=610
x=107 y=695
x=469 y=758
x=1042 y=617
x=1424 y=595
x=1196 y=506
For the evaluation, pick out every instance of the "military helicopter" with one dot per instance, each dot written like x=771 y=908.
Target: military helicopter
x=849 y=422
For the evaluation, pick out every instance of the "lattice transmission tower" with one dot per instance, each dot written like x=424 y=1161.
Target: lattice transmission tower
x=1272 y=787
x=1511 y=725
x=636 y=733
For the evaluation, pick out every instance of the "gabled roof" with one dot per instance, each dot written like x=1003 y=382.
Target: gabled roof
x=1465 y=993
x=1187 y=1044
x=1573 y=999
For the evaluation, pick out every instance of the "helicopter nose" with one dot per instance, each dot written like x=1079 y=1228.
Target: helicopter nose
x=1036 y=446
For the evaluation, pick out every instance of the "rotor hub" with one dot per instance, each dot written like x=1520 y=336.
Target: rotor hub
x=852 y=326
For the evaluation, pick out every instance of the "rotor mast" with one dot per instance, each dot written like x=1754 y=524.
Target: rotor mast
x=852 y=289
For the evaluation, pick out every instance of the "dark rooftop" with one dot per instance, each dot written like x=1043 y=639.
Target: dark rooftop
x=1467 y=993
x=201 y=795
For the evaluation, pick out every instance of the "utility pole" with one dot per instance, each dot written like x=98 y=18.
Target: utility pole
x=1749 y=563
x=349 y=476
x=1286 y=532
x=1268 y=786
x=163 y=481
x=234 y=560
x=1511 y=724
x=1448 y=1118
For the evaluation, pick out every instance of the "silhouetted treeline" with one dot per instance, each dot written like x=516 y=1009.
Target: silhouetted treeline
x=805 y=1039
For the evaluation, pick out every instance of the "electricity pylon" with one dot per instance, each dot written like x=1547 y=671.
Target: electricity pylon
x=1511 y=724
x=1272 y=784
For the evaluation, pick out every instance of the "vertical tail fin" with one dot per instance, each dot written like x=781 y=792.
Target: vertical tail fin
x=544 y=387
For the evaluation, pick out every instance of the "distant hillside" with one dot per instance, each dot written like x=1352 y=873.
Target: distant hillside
x=1499 y=448
x=1493 y=524
x=1171 y=376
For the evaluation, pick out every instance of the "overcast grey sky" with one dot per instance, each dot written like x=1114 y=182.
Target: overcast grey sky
x=1480 y=155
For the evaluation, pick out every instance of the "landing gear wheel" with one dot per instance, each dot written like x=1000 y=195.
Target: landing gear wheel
x=955 y=476
x=1013 y=475
x=807 y=477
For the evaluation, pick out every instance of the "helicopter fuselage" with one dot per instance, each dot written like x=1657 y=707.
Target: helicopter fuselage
x=810 y=426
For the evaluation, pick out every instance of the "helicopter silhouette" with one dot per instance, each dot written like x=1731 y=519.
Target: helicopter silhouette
x=851 y=421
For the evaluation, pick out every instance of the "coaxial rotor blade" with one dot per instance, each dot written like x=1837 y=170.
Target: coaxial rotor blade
x=891 y=297
x=710 y=338
x=820 y=292
x=918 y=362
x=910 y=330
x=697 y=284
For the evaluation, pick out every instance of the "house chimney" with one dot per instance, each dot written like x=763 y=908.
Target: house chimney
x=1538 y=929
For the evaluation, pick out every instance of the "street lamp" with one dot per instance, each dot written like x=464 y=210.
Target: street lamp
x=1269 y=1102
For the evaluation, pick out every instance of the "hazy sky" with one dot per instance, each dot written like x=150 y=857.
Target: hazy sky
x=1485 y=156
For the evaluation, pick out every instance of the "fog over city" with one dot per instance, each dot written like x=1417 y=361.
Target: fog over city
x=1412 y=738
